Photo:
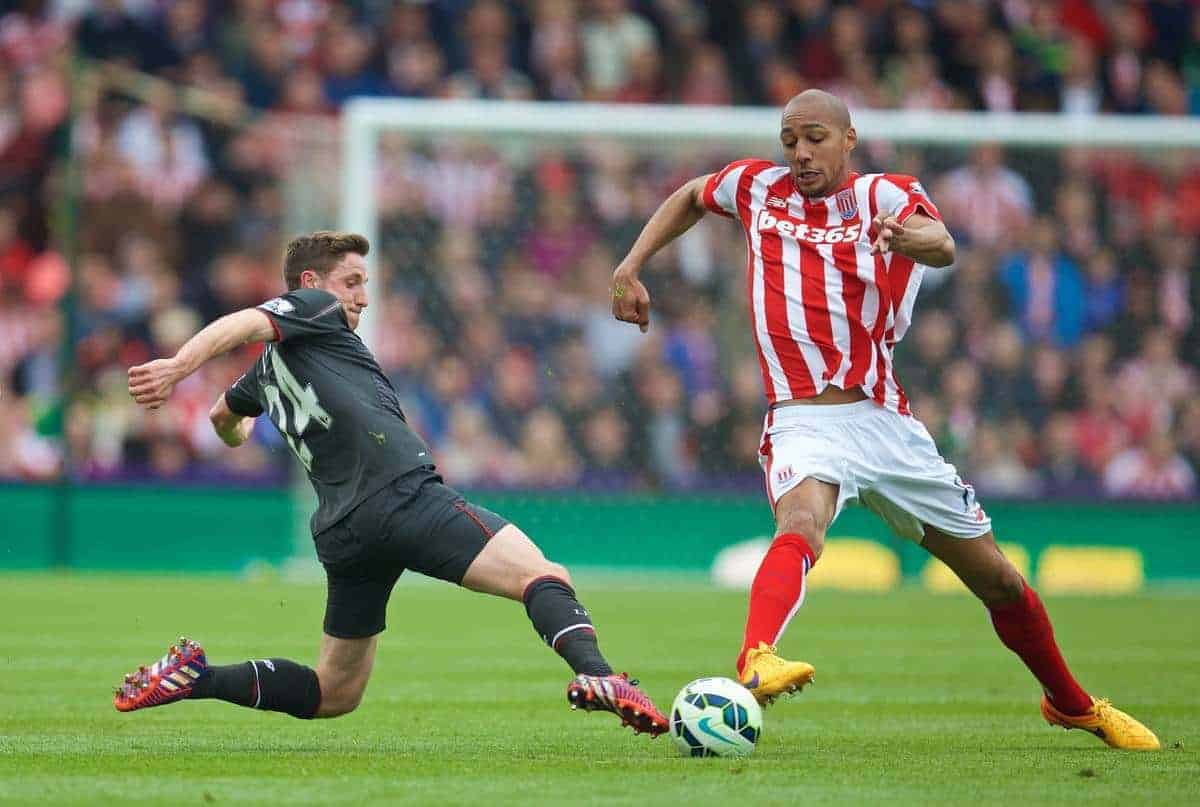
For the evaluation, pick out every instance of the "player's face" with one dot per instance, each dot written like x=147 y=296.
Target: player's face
x=816 y=151
x=347 y=281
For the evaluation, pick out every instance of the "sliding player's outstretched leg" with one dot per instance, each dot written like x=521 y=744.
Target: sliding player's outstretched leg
x=512 y=566
x=565 y=625
x=1023 y=626
x=276 y=685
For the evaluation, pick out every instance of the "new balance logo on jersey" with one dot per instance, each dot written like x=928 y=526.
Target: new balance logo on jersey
x=775 y=201
x=766 y=221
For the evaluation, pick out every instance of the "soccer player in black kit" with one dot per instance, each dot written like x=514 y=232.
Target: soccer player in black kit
x=382 y=506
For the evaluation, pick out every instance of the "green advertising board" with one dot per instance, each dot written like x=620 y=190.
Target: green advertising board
x=225 y=529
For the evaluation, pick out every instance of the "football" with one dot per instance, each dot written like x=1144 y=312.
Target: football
x=715 y=717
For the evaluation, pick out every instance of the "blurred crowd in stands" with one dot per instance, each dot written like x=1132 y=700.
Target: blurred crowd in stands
x=1058 y=357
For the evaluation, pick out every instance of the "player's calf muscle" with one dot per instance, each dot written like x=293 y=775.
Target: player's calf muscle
x=342 y=688
x=340 y=701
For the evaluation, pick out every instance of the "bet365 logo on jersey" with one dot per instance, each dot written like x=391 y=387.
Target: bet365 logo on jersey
x=766 y=221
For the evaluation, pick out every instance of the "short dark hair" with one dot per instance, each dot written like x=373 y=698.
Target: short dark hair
x=319 y=251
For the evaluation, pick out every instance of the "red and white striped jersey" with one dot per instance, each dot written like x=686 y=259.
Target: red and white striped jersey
x=825 y=310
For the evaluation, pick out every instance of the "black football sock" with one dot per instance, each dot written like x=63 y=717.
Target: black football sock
x=276 y=685
x=564 y=624
x=232 y=682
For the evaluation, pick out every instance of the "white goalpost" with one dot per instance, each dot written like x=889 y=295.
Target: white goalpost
x=364 y=119
x=378 y=135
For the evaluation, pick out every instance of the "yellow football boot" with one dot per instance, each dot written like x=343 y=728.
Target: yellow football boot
x=768 y=676
x=1107 y=722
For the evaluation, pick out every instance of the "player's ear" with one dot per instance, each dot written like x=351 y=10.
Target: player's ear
x=851 y=139
x=308 y=279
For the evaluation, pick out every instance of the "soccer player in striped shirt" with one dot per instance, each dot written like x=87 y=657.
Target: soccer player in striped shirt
x=834 y=262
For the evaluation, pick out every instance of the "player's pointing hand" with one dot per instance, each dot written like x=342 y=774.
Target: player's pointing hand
x=887 y=229
x=630 y=300
x=152 y=383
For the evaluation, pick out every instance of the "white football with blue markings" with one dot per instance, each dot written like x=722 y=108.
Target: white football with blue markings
x=715 y=717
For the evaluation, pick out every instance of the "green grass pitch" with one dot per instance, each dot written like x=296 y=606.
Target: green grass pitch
x=915 y=702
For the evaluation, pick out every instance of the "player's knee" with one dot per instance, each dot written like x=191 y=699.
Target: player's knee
x=537 y=571
x=560 y=571
x=550 y=569
x=1010 y=585
x=805 y=523
x=1002 y=584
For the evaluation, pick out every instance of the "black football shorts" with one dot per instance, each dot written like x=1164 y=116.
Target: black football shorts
x=414 y=522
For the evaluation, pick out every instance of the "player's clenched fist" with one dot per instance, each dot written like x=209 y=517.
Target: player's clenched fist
x=630 y=300
x=151 y=383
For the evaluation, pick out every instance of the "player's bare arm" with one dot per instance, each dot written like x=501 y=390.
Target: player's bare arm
x=674 y=217
x=232 y=428
x=151 y=383
x=921 y=238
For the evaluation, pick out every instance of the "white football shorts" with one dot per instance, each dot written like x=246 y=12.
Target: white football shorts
x=878 y=458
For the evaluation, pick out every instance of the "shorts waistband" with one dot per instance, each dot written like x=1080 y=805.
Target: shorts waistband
x=808 y=413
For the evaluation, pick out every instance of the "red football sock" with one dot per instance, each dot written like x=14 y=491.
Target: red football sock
x=1025 y=629
x=777 y=592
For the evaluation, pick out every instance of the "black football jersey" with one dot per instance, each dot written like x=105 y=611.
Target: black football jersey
x=324 y=391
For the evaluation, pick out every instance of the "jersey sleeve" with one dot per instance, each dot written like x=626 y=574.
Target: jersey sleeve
x=304 y=313
x=242 y=397
x=721 y=190
x=901 y=195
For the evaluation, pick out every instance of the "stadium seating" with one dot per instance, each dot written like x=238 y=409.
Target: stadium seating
x=1058 y=358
